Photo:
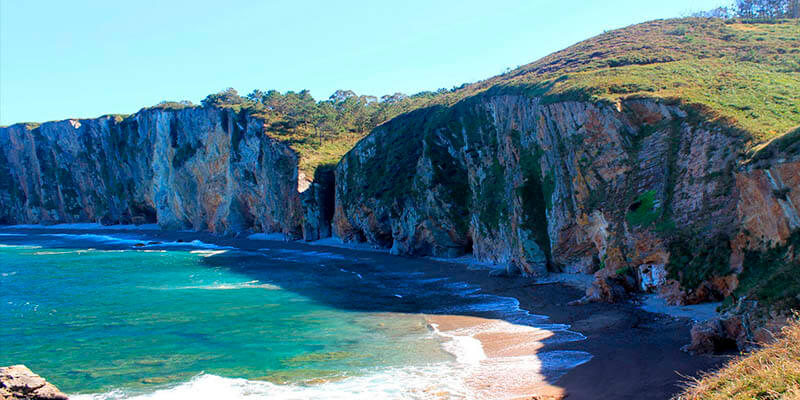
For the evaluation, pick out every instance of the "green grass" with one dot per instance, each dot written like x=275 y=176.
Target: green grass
x=784 y=145
x=693 y=259
x=743 y=75
x=315 y=153
x=771 y=373
x=643 y=211
x=771 y=276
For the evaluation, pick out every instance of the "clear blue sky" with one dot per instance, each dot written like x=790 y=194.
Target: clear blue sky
x=77 y=58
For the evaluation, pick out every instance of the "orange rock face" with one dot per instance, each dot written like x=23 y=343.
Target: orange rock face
x=768 y=204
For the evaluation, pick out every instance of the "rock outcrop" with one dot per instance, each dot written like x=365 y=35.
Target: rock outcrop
x=646 y=194
x=204 y=169
x=17 y=382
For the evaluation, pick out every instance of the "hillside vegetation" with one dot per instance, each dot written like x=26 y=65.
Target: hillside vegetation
x=319 y=131
x=772 y=372
x=745 y=74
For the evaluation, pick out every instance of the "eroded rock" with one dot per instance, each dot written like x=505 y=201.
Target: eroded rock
x=17 y=382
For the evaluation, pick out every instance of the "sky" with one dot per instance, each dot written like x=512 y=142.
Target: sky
x=82 y=59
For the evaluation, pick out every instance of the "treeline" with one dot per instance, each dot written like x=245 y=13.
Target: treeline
x=756 y=9
x=300 y=117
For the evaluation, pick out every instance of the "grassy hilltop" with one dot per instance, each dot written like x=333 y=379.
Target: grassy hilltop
x=745 y=74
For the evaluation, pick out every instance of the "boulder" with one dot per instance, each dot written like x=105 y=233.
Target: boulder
x=729 y=331
x=707 y=338
x=604 y=289
x=17 y=382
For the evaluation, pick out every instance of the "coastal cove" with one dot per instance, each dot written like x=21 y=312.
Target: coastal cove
x=358 y=330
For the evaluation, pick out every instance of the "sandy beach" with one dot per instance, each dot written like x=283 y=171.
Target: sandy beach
x=507 y=366
x=635 y=354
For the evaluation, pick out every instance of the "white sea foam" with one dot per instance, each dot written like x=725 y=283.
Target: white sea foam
x=52 y=253
x=93 y=237
x=193 y=243
x=21 y=246
x=224 y=286
x=133 y=241
x=401 y=383
x=463 y=346
x=354 y=273
x=88 y=226
x=208 y=253
x=472 y=375
x=12 y=234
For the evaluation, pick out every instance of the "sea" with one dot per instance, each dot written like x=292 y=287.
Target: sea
x=127 y=315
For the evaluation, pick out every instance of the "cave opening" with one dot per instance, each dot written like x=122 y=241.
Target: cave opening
x=468 y=245
x=325 y=180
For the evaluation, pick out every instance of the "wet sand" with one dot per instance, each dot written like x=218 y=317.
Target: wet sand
x=636 y=354
x=509 y=367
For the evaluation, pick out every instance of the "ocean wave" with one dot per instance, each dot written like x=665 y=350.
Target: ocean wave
x=107 y=239
x=464 y=346
x=193 y=243
x=21 y=246
x=472 y=375
x=142 y=243
x=87 y=226
x=208 y=253
x=347 y=271
x=224 y=286
x=402 y=383
x=53 y=253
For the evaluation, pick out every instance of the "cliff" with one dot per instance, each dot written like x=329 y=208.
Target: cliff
x=205 y=169
x=652 y=156
x=621 y=190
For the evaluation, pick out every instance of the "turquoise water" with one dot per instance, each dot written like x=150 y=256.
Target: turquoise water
x=93 y=314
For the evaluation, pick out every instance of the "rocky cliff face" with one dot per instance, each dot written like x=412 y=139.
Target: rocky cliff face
x=643 y=193
x=204 y=169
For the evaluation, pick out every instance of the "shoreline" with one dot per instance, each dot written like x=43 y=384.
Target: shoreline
x=493 y=349
x=635 y=354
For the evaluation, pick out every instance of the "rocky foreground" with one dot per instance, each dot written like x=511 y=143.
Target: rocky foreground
x=17 y=382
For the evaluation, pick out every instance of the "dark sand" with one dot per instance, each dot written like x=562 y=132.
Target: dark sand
x=636 y=354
